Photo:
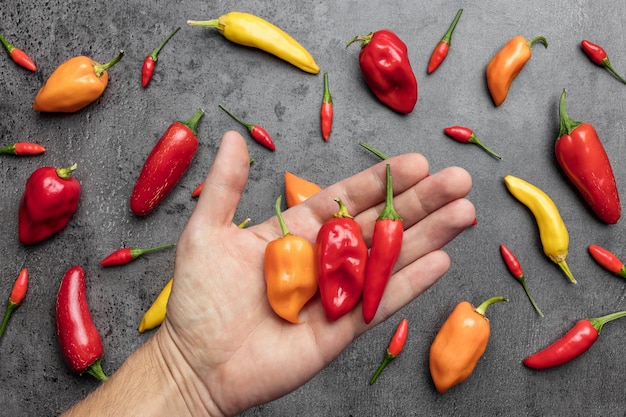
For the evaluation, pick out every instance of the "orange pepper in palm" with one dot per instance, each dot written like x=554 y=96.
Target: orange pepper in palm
x=298 y=189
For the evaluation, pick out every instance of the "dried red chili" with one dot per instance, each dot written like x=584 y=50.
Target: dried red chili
x=515 y=268
x=23 y=148
x=598 y=56
x=257 y=132
x=466 y=135
x=18 y=293
x=607 y=260
x=18 y=56
x=149 y=64
x=326 y=111
x=127 y=255
x=396 y=344
x=443 y=47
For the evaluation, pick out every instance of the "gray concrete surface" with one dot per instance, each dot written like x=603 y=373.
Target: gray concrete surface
x=110 y=139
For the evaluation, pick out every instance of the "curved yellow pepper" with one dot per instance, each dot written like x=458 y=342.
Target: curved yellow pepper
x=249 y=30
x=155 y=315
x=552 y=230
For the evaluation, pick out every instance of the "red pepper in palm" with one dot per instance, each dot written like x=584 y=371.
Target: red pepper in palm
x=384 y=252
x=149 y=64
x=582 y=157
x=166 y=164
x=514 y=267
x=441 y=50
x=18 y=56
x=23 y=148
x=49 y=201
x=126 y=255
x=77 y=335
x=466 y=135
x=598 y=56
x=15 y=298
x=396 y=344
x=572 y=344
x=340 y=259
x=257 y=132
x=385 y=65
x=326 y=111
x=607 y=260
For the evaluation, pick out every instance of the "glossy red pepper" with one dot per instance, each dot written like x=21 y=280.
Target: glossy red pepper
x=385 y=65
x=23 y=148
x=49 y=201
x=127 y=255
x=384 y=252
x=18 y=56
x=515 y=268
x=257 y=132
x=149 y=64
x=166 y=164
x=598 y=56
x=443 y=47
x=572 y=344
x=340 y=259
x=582 y=157
x=18 y=293
x=79 y=340
x=396 y=344
x=607 y=260
x=326 y=110
x=466 y=135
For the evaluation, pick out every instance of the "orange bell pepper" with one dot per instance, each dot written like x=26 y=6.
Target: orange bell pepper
x=298 y=189
x=75 y=83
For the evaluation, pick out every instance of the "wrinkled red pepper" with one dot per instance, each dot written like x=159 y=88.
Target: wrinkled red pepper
x=607 y=260
x=441 y=49
x=257 y=132
x=340 y=259
x=326 y=110
x=127 y=255
x=23 y=148
x=18 y=56
x=149 y=64
x=387 y=71
x=582 y=157
x=598 y=56
x=49 y=201
x=18 y=293
x=396 y=344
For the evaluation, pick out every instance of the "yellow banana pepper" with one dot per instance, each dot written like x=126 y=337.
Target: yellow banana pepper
x=155 y=315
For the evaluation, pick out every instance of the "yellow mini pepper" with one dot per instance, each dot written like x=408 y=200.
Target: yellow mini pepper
x=155 y=315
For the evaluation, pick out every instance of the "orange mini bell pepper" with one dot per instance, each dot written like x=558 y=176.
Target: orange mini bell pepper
x=298 y=189
x=75 y=83
x=289 y=268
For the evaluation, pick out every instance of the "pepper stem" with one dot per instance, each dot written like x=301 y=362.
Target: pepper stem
x=522 y=281
x=607 y=64
x=247 y=125
x=192 y=123
x=65 y=173
x=383 y=365
x=538 y=38
x=6 y=45
x=343 y=210
x=136 y=252
x=567 y=125
x=95 y=370
x=481 y=309
x=101 y=68
x=11 y=306
x=473 y=139
x=213 y=23
x=327 y=98
x=598 y=322
x=374 y=151
x=156 y=51
x=364 y=39
x=448 y=35
x=389 y=212
x=279 y=216
x=563 y=265
x=8 y=149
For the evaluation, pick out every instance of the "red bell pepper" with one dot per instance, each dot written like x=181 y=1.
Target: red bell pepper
x=18 y=293
x=49 y=201
x=340 y=259
x=582 y=157
x=387 y=71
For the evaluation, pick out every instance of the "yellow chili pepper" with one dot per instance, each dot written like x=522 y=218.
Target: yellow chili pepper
x=250 y=30
x=298 y=189
x=155 y=315
x=289 y=268
x=507 y=64
x=75 y=83
x=552 y=230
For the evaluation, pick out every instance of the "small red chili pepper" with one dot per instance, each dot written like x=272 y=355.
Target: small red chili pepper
x=572 y=344
x=441 y=50
x=466 y=135
x=607 y=260
x=514 y=267
x=15 y=298
x=127 y=255
x=18 y=56
x=196 y=191
x=384 y=252
x=396 y=344
x=257 y=132
x=598 y=56
x=326 y=111
x=23 y=148
x=149 y=64
x=79 y=340
x=166 y=164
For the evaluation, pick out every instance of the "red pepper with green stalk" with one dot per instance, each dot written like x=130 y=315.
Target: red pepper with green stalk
x=443 y=47
x=466 y=135
x=607 y=260
x=598 y=56
x=18 y=293
x=22 y=149
x=127 y=255
x=149 y=64
x=257 y=132
x=515 y=268
x=326 y=110
x=396 y=344
x=18 y=56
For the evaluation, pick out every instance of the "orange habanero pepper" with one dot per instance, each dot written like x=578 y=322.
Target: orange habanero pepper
x=289 y=268
x=298 y=189
x=75 y=83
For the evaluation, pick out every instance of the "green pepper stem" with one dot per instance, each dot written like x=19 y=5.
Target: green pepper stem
x=522 y=281
x=192 y=123
x=374 y=151
x=8 y=149
x=279 y=216
x=473 y=139
x=136 y=252
x=607 y=64
x=65 y=173
x=11 y=306
x=563 y=265
x=343 y=210
x=566 y=124
x=213 y=23
x=599 y=322
x=95 y=370
x=327 y=98
x=481 y=309
x=364 y=39
x=101 y=68
x=538 y=38
x=448 y=35
x=247 y=125
x=383 y=365
x=156 y=51
x=389 y=212
x=6 y=44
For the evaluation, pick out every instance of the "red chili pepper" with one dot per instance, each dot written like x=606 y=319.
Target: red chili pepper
x=607 y=260
x=341 y=258
x=572 y=344
x=385 y=66
x=582 y=157
x=149 y=64
x=466 y=135
x=384 y=252
x=441 y=50
x=50 y=199
x=18 y=56
x=15 y=299
x=166 y=164
x=514 y=267
x=196 y=192
x=23 y=148
x=78 y=337
x=257 y=132
x=396 y=344
x=326 y=111
x=598 y=56
x=127 y=255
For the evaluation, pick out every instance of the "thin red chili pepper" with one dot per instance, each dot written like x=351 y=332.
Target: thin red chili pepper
x=572 y=344
x=196 y=192
x=23 y=148
x=598 y=56
x=18 y=56
x=396 y=344
x=127 y=255
x=466 y=135
x=257 y=132
x=149 y=64
x=441 y=50
x=514 y=267
x=326 y=111
x=607 y=260
x=15 y=299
